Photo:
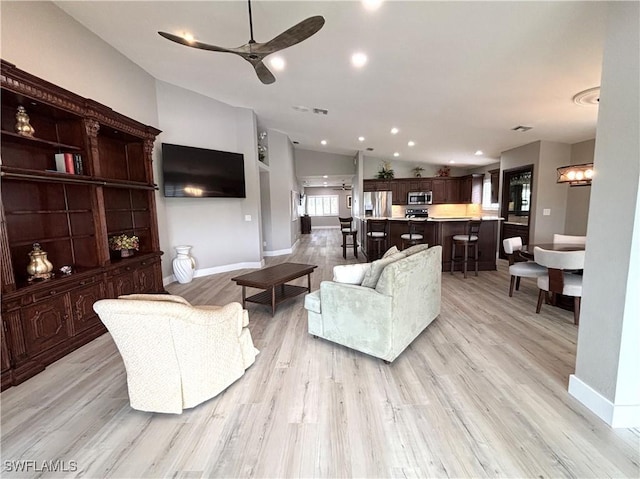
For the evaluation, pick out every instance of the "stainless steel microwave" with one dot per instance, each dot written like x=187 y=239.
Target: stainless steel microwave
x=419 y=198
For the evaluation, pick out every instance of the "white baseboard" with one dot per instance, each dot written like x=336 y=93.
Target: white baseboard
x=616 y=415
x=325 y=227
x=217 y=269
x=280 y=252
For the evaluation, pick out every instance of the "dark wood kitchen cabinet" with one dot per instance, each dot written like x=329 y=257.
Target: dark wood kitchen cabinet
x=72 y=215
x=445 y=190
x=471 y=189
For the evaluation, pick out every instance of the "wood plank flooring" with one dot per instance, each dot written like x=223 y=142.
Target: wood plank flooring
x=482 y=392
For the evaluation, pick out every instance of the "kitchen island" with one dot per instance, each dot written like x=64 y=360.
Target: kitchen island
x=438 y=231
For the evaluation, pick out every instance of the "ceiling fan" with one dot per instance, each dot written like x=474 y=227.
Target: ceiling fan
x=254 y=52
x=344 y=187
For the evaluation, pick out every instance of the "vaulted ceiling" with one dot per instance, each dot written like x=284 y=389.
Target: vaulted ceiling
x=453 y=77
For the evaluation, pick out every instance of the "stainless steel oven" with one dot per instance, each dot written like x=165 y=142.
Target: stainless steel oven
x=419 y=198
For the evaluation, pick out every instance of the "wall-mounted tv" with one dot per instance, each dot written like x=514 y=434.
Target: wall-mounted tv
x=201 y=173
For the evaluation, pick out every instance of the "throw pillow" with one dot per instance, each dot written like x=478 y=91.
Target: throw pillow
x=373 y=275
x=390 y=251
x=350 y=273
x=415 y=249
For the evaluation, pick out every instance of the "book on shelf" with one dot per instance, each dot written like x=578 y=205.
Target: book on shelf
x=68 y=163
x=77 y=163
x=60 y=164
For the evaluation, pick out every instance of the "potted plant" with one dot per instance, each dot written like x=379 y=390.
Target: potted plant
x=417 y=171
x=444 y=171
x=385 y=172
x=125 y=244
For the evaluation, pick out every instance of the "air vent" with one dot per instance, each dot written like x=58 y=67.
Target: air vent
x=320 y=111
x=369 y=149
x=296 y=142
x=521 y=128
x=301 y=108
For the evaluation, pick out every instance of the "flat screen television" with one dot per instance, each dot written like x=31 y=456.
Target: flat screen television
x=201 y=173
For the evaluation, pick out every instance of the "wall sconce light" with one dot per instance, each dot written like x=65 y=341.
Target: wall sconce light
x=576 y=175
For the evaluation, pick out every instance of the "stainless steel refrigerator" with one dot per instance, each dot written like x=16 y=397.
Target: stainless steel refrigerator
x=377 y=204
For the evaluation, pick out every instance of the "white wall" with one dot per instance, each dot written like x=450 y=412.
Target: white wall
x=608 y=358
x=214 y=227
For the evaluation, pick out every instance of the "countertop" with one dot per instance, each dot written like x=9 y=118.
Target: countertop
x=434 y=219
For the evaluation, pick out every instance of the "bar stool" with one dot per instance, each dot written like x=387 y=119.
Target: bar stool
x=346 y=227
x=415 y=234
x=376 y=234
x=469 y=239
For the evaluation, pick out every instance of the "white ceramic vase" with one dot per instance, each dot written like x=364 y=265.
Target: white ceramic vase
x=183 y=265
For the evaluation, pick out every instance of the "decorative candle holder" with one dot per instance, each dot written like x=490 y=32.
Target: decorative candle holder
x=23 y=127
x=39 y=267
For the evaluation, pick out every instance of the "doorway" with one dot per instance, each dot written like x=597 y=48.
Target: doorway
x=515 y=208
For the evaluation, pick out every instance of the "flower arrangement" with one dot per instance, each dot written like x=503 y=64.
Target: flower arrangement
x=124 y=242
x=444 y=171
x=417 y=171
x=385 y=172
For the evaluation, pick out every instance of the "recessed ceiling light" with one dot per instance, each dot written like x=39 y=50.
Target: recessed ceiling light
x=323 y=142
x=188 y=37
x=396 y=154
x=478 y=153
x=394 y=131
x=361 y=138
x=324 y=183
x=451 y=161
x=325 y=176
x=358 y=59
x=277 y=63
x=371 y=5
x=411 y=143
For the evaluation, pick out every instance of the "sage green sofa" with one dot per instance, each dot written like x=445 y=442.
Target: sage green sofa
x=383 y=320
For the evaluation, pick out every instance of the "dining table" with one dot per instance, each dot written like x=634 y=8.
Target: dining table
x=527 y=251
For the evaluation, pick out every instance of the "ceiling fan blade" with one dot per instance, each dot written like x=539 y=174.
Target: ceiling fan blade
x=293 y=35
x=194 y=43
x=263 y=73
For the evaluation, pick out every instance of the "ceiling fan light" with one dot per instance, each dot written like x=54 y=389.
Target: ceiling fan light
x=371 y=5
x=188 y=37
x=359 y=59
x=277 y=63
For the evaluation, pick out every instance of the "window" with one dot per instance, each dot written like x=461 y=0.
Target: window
x=322 y=205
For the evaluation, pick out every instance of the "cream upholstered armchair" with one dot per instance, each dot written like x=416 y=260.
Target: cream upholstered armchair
x=177 y=355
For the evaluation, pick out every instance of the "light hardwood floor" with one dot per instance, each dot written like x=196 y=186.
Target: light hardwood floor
x=482 y=392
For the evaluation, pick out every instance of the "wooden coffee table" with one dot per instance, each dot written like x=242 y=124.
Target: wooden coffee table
x=272 y=280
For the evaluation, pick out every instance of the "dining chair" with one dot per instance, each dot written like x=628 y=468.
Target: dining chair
x=558 y=280
x=347 y=229
x=519 y=266
x=568 y=239
x=467 y=240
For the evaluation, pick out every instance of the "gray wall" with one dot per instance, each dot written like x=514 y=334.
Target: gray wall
x=608 y=356
x=57 y=48
x=546 y=157
x=215 y=227
x=318 y=163
x=578 y=197
x=282 y=181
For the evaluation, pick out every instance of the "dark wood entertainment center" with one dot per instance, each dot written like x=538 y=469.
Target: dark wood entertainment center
x=72 y=216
